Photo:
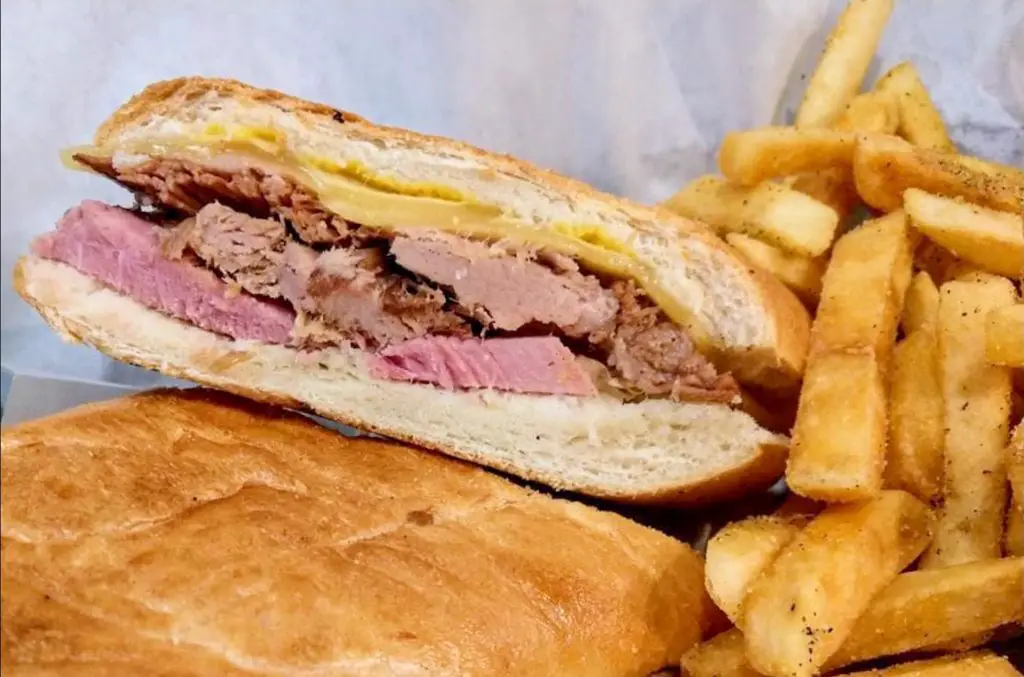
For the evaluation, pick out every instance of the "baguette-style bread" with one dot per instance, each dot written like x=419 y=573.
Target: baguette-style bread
x=189 y=533
x=759 y=325
x=653 y=451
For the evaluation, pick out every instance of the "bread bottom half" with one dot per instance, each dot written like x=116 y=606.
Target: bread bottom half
x=654 y=451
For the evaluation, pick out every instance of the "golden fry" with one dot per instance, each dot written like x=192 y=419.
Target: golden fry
x=919 y=121
x=868 y=112
x=752 y=156
x=840 y=72
x=1015 y=463
x=723 y=655
x=770 y=212
x=739 y=552
x=991 y=240
x=800 y=611
x=916 y=412
x=801 y=274
x=923 y=608
x=863 y=289
x=884 y=167
x=921 y=305
x=976 y=664
x=917 y=609
x=977 y=406
x=873 y=112
x=1004 y=336
x=839 y=439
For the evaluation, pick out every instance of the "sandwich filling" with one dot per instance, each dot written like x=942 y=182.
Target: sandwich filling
x=253 y=256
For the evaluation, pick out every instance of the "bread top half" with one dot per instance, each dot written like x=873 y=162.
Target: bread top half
x=385 y=177
x=188 y=533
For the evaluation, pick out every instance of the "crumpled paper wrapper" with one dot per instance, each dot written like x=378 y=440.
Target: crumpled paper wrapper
x=631 y=97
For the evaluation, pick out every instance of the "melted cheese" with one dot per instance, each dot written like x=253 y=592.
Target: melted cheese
x=357 y=194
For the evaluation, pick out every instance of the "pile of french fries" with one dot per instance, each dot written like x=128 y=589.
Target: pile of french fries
x=903 y=536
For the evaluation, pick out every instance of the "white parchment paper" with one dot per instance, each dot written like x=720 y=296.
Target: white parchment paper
x=630 y=96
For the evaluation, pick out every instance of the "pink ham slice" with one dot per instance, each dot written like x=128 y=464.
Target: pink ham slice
x=541 y=364
x=123 y=251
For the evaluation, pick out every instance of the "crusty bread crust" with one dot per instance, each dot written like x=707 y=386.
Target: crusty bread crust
x=159 y=534
x=245 y=369
x=777 y=362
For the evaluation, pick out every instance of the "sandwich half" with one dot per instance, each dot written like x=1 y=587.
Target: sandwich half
x=193 y=533
x=423 y=289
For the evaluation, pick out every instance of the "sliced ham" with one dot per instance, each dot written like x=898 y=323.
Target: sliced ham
x=534 y=364
x=123 y=251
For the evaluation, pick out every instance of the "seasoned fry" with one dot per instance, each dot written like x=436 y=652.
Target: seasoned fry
x=721 y=656
x=801 y=274
x=916 y=413
x=739 y=552
x=832 y=187
x=976 y=664
x=1015 y=463
x=874 y=112
x=868 y=112
x=842 y=66
x=940 y=263
x=886 y=166
x=755 y=155
x=796 y=505
x=917 y=609
x=800 y=611
x=838 y=447
x=923 y=608
x=1004 y=336
x=770 y=212
x=977 y=406
x=863 y=289
x=919 y=121
x=1014 y=545
x=921 y=304
x=990 y=239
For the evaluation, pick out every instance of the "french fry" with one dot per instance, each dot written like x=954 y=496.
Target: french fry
x=801 y=274
x=796 y=505
x=1015 y=463
x=1014 y=545
x=739 y=552
x=917 y=609
x=990 y=239
x=921 y=304
x=868 y=112
x=977 y=411
x=838 y=445
x=770 y=212
x=874 y=112
x=923 y=608
x=863 y=289
x=941 y=264
x=919 y=120
x=975 y=664
x=884 y=167
x=916 y=411
x=832 y=187
x=842 y=66
x=839 y=439
x=723 y=655
x=800 y=611
x=1004 y=336
x=755 y=155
